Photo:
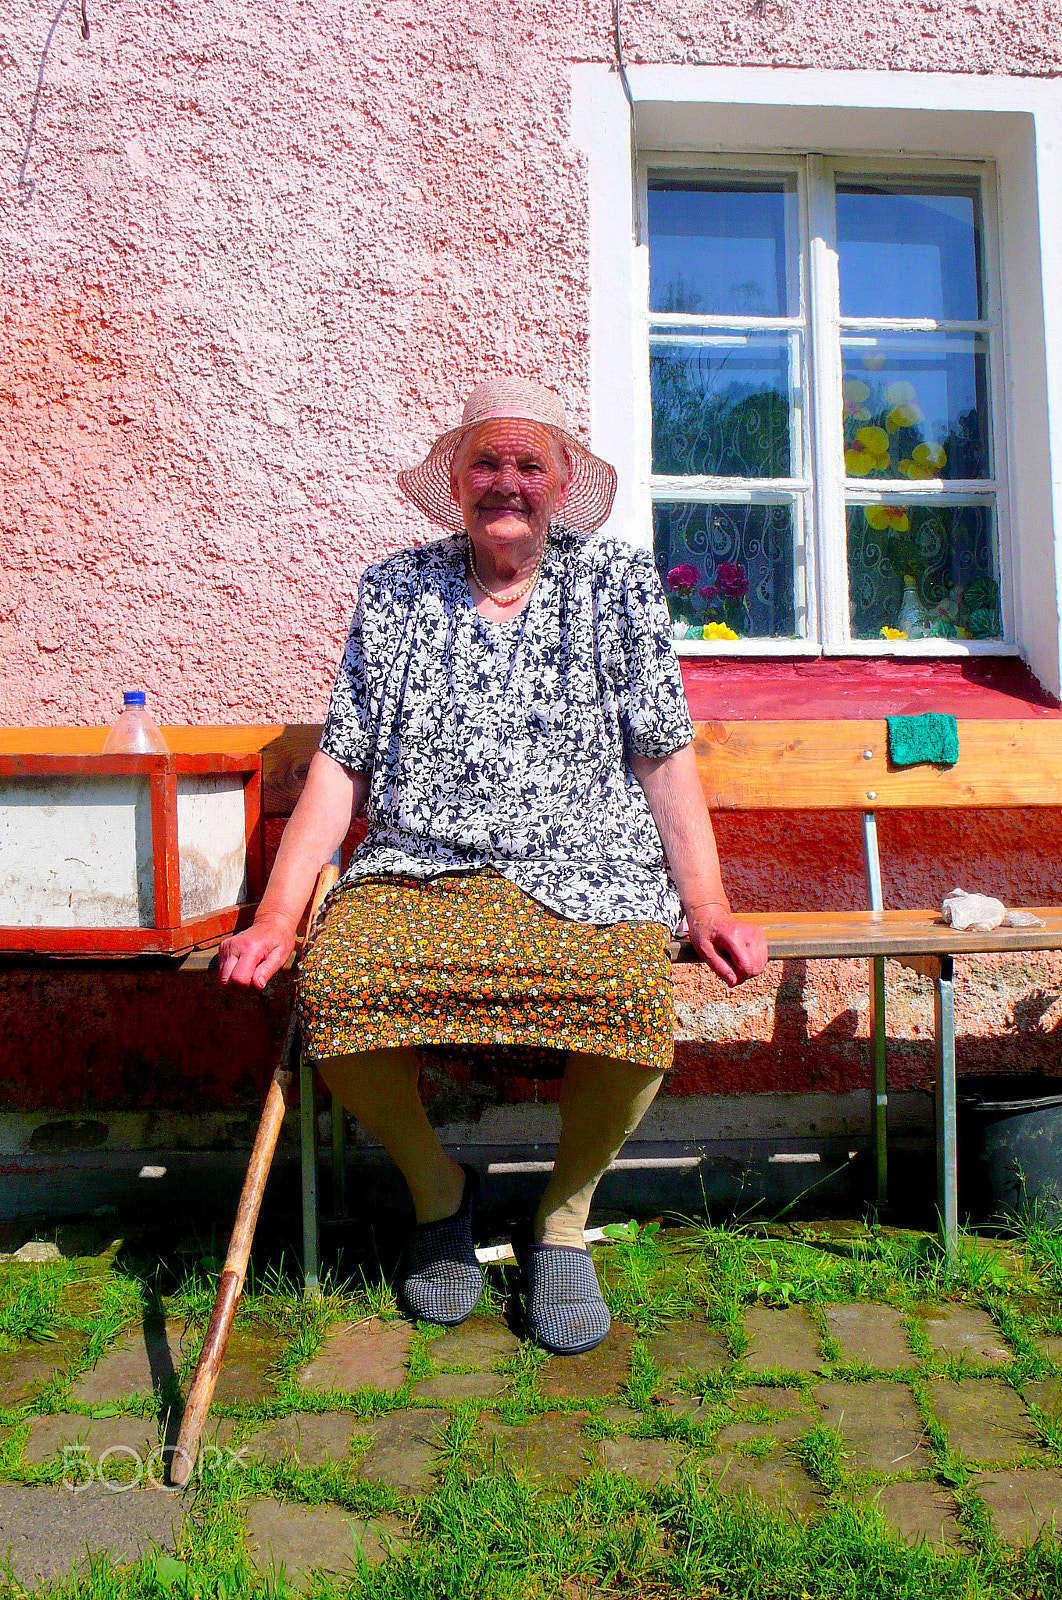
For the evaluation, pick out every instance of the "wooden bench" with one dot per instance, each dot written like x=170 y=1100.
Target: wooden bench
x=831 y=766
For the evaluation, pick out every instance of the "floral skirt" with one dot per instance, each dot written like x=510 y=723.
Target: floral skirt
x=469 y=959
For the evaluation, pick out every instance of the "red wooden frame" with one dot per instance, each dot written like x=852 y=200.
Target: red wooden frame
x=169 y=936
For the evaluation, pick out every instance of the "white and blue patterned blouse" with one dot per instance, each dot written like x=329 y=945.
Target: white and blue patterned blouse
x=504 y=744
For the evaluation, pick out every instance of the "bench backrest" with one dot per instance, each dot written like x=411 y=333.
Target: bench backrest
x=744 y=766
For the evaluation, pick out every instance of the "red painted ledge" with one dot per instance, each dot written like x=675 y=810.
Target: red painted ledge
x=743 y=689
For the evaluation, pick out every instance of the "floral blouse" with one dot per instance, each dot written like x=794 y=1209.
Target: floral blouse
x=504 y=744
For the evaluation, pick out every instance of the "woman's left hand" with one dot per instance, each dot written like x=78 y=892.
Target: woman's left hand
x=734 y=950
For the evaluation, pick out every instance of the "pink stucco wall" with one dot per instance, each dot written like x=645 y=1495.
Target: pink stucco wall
x=258 y=255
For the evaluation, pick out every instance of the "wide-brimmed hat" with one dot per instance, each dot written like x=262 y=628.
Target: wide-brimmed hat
x=592 y=482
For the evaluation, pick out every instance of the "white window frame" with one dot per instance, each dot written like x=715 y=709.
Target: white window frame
x=711 y=116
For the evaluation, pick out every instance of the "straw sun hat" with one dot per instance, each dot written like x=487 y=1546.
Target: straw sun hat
x=592 y=481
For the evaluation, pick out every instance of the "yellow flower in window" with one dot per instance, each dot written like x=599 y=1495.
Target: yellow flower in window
x=855 y=394
x=718 y=630
x=904 y=416
x=869 y=453
x=884 y=518
x=900 y=393
x=925 y=461
x=893 y=633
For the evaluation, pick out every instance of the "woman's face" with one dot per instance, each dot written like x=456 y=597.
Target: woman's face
x=509 y=478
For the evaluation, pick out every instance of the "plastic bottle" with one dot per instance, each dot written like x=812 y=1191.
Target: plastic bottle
x=136 y=733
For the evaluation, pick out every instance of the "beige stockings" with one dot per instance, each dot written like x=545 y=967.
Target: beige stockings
x=602 y=1101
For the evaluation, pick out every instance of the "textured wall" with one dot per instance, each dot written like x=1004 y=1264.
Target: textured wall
x=249 y=261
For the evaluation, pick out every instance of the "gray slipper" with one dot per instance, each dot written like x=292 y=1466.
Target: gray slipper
x=443 y=1280
x=565 y=1311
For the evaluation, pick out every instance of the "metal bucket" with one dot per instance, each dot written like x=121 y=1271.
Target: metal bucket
x=1009 y=1129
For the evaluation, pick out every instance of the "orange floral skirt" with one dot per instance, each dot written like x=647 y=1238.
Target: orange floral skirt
x=469 y=959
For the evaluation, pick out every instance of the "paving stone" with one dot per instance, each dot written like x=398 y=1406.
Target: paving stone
x=623 y=1418
x=552 y=1451
x=45 y=1532
x=918 y=1511
x=309 y=1439
x=879 y=1425
x=782 y=1430
x=690 y=1406
x=246 y=1377
x=688 y=1347
x=601 y=1372
x=983 y=1418
x=1022 y=1503
x=142 y=1364
x=1050 y=1345
x=403 y=1450
x=112 y=1444
x=782 y=1485
x=477 y=1343
x=647 y=1461
x=787 y=1340
x=298 y=1541
x=458 y=1386
x=774 y=1398
x=966 y=1331
x=361 y=1355
x=25 y=1372
x=871 y=1334
x=1046 y=1395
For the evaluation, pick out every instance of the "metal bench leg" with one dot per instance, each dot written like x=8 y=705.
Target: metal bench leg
x=339 y=1159
x=947 y=1174
x=311 y=1235
x=879 y=1094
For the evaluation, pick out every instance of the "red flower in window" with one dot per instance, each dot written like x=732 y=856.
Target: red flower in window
x=732 y=580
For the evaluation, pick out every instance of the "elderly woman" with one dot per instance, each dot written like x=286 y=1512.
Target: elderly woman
x=509 y=712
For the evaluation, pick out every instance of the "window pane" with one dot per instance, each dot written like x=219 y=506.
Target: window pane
x=720 y=246
x=734 y=566
x=916 y=406
x=910 y=250
x=721 y=404
x=928 y=571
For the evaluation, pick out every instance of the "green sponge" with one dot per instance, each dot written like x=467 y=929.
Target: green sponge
x=932 y=737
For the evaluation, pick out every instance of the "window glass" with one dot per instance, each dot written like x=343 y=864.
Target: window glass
x=721 y=403
x=909 y=250
x=728 y=570
x=923 y=571
x=721 y=247
x=915 y=406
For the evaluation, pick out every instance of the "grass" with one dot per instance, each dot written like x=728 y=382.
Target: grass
x=488 y=1533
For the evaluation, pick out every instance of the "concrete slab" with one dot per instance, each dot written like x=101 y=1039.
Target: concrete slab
x=246 y=1376
x=143 y=1363
x=623 y=1418
x=781 y=1485
x=26 y=1371
x=780 y=1430
x=918 y=1511
x=601 y=1372
x=361 y=1355
x=647 y=1461
x=1022 y=1504
x=871 y=1334
x=688 y=1347
x=879 y=1425
x=1050 y=1345
x=478 y=1344
x=297 y=1541
x=690 y=1406
x=966 y=1331
x=46 y=1532
x=984 y=1419
x=786 y=1340
x=404 y=1450
x=306 y=1439
x=1046 y=1395
x=451 y=1388
x=113 y=1446
x=553 y=1452
x=780 y=1398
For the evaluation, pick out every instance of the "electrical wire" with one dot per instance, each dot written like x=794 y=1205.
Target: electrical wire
x=621 y=64
x=26 y=185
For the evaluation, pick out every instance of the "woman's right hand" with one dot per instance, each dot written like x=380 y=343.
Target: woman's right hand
x=252 y=957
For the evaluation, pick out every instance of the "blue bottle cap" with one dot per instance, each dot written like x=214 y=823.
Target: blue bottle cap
x=135 y=697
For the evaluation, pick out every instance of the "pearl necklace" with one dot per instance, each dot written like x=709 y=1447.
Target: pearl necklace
x=495 y=594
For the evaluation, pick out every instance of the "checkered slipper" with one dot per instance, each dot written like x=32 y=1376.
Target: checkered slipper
x=443 y=1280
x=565 y=1311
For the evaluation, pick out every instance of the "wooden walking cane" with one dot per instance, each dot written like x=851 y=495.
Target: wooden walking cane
x=231 y=1285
